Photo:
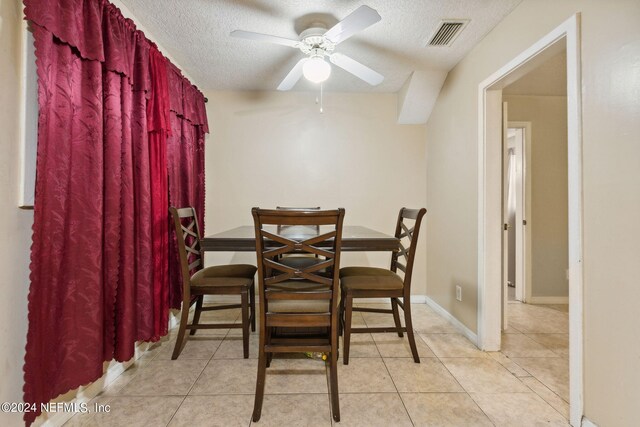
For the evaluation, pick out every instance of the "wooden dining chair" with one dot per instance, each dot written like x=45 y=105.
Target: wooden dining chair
x=198 y=281
x=298 y=306
x=372 y=282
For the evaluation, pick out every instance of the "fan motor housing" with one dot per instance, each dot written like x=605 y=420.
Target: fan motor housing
x=313 y=40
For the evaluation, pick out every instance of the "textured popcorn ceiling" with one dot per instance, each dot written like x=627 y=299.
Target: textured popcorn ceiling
x=196 y=33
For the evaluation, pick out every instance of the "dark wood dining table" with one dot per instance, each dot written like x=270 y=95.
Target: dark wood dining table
x=354 y=238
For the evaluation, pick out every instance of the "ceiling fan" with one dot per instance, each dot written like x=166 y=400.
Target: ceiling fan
x=317 y=43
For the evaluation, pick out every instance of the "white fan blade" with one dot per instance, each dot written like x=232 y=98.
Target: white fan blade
x=357 y=69
x=264 y=38
x=358 y=20
x=293 y=76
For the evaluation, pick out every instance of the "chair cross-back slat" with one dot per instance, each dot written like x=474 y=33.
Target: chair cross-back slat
x=402 y=251
x=189 y=250
x=408 y=232
x=189 y=229
x=278 y=278
x=193 y=249
x=289 y=272
x=195 y=264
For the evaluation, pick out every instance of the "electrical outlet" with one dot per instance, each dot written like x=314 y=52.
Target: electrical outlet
x=458 y=292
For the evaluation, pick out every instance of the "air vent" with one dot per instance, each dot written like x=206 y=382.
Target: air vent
x=447 y=32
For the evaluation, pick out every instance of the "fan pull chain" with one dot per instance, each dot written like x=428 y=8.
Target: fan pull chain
x=319 y=99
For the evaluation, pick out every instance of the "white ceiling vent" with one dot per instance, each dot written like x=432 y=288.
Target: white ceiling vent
x=447 y=32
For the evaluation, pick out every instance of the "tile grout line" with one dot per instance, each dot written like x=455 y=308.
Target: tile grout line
x=201 y=372
x=466 y=391
x=396 y=387
x=545 y=400
x=176 y=411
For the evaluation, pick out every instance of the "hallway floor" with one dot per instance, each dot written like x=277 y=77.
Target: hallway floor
x=455 y=384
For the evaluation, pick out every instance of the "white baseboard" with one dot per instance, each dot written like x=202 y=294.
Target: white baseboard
x=587 y=423
x=86 y=393
x=548 y=300
x=471 y=336
x=423 y=299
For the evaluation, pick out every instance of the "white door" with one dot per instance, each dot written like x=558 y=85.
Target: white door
x=520 y=134
x=520 y=217
x=505 y=214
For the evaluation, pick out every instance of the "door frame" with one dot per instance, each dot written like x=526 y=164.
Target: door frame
x=490 y=197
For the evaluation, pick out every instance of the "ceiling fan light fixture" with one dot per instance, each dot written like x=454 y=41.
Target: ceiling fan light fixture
x=316 y=69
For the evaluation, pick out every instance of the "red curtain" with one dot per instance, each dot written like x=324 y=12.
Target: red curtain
x=185 y=160
x=159 y=128
x=100 y=253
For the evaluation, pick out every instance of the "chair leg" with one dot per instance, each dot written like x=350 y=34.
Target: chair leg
x=196 y=314
x=341 y=316
x=262 y=371
x=269 y=331
x=396 y=316
x=252 y=303
x=184 y=319
x=244 y=301
x=333 y=384
x=348 y=303
x=409 y=325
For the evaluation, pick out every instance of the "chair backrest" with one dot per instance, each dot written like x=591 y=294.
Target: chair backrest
x=187 y=230
x=407 y=231
x=323 y=276
x=291 y=208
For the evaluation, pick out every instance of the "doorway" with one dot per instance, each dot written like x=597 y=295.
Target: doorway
x=490 y=226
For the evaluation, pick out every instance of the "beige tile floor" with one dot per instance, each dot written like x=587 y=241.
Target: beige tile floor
x=454 y=385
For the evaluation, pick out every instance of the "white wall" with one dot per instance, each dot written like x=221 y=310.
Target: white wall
x=270 y=149
x=549 y=203
x=15 y=224
x=611 y=168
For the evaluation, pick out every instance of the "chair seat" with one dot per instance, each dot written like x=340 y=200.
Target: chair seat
x=297 y=285
x=372 y=282
x=366 y=271
x=299 y=306
x=224 y=275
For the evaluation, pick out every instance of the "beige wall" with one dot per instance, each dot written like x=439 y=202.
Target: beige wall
x=611 y=163
x=549 y=204
x=269 y=149
x=15 y=224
